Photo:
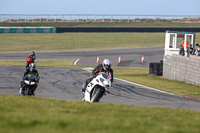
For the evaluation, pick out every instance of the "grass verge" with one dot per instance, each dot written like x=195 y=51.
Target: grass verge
x=77 y=41
x=34 y=114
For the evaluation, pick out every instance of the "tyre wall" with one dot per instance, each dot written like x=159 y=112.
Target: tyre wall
x=125 y=29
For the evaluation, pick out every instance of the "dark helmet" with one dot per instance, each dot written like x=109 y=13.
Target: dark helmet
x=107 y=64
x=32 y=54
x=32 y=66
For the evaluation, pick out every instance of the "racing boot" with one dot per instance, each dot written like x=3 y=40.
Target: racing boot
x=83 y=89
x=21 y=86
x=20 y=90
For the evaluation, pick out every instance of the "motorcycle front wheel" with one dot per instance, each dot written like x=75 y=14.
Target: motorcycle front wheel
x=26 y=91
x=96 y=95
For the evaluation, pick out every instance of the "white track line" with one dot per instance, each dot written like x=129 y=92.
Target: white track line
x=76 y=61
x=89 y=70
x=144 y=86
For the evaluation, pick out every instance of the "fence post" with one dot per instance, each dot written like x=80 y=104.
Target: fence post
x=128 y=18
x=2 y=17
x=40 y=17
x=78 y=18
x=25 y=18
x=17 y=18
x=55 y=18
x=63 y=18
x=95 y=18
x=10 y=17
x=32 y=18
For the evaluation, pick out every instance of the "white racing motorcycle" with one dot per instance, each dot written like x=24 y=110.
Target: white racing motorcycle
x=97 y=87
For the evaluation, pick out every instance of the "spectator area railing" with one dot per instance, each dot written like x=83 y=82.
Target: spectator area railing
x=99 y=18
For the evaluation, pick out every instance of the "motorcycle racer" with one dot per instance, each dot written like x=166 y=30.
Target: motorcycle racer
x=30 y=59
x=104 y=67
x=30 y=70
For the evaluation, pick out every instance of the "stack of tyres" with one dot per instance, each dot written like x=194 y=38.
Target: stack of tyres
x=161 y=68
x=155 y=68
x=151 y=68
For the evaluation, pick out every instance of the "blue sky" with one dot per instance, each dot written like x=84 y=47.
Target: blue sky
x=141 y=7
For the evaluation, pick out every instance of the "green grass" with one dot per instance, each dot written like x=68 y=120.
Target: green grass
x=78 y=41
x=20 y=114
x=45 y=63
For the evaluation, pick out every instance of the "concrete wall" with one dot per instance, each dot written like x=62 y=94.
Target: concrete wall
x=182 y=68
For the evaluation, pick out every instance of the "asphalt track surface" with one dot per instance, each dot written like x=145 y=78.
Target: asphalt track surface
x=65 y=84
x=129 y=57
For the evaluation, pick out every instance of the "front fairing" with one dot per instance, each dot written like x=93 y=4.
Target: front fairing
x=102 y=81
x=30 y=79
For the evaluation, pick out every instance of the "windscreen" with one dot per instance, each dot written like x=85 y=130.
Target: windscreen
x=105 y=75
x=30 y=77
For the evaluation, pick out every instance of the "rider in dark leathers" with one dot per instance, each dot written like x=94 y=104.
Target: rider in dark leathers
x=104 y=67
x=30 y=70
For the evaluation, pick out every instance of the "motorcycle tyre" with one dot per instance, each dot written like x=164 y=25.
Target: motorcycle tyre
x=26 y=91
x=96 y=97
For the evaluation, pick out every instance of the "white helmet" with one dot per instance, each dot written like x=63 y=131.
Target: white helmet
x=32 y=66
x=107 y=64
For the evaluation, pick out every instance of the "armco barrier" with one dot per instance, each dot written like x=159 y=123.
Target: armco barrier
x=125 y=29
x=27 y=30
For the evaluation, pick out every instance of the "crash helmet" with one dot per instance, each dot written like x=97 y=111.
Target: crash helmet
x=32 y=66
x=32 y=54
x=106 y=64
